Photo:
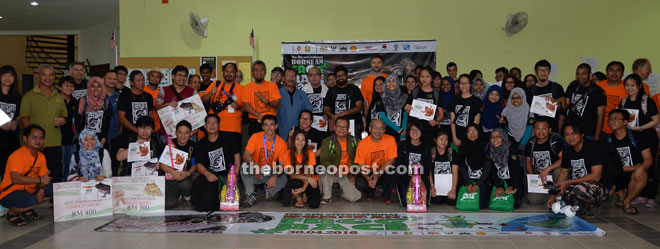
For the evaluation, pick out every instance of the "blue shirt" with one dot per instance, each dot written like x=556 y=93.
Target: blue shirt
x=115 y=126
x=287 y=114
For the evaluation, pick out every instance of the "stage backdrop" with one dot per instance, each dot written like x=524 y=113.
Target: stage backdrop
x=401 y=57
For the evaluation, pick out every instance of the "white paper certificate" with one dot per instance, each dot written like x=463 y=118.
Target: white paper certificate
x=543 y=107
x=534 y=184
x=442 y=184
x=423 y=110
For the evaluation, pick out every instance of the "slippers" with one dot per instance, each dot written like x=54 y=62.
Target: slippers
x=631 y=210
x=619 y=203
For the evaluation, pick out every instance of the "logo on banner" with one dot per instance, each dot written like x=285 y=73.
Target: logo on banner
x=343 y=48
x=406 y=46
x=396 y=47
x=418 y=47
x=324 y=49
x=384 y=46
x=299 y=48
x=333 y=48
x=369 y=48
x=308 y=49
x=353 y=48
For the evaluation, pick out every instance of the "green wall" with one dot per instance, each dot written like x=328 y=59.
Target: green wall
x=467 y=31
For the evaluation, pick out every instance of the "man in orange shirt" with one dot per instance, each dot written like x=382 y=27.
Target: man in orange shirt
x=367 y=86
x=261 y=154
x=375 y=154
x=26 y=182
x=225 y=98
x=154 y=76
x=614 y=89
x=260 y=97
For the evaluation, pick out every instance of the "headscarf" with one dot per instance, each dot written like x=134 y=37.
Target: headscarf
x=90 y=163
x=94 y=103
x=393 y=100
x=492 y=110
x=500 y=154
x=472 y=152
x=483 y=92
x=447 y=97
x=517 y=116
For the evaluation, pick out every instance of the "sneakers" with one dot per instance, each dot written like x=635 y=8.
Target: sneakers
x=251 y=200
x=325 y=201
x=650 y=203
x=639 y=201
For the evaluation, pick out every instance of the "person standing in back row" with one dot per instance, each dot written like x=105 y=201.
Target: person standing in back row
x=261 y=97
x=547 y=89
x=367 y=85
x=344 y=100
x=225 y=99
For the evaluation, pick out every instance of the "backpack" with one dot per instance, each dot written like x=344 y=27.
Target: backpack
x=630 y=136
x=434 y=150
x=554 y=140
x=644 y=104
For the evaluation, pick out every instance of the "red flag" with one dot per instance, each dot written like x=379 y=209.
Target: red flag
x=251 y=38
x=112 y=40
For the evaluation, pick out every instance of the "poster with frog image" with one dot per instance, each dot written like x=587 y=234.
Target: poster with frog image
x=82 y=200
x=190 y=109
x=138 y=194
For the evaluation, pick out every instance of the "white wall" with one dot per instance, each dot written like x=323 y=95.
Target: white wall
x=94 y=44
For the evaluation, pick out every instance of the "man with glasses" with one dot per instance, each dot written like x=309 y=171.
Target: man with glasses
x=338 y=151
x=344 y=100
x=547 y=89
x=614 y=89
x=316 y=91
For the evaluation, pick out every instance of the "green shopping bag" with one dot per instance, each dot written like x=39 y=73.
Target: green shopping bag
x=467 y=201
x=501 y=203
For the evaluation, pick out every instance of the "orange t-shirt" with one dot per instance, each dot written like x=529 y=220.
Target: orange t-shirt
x=367 y=87
x=21 y=161
x=154 y=95
x=230 y=122
x=267 y=89
x=285 y=159
x=344 y=161
x=614 y=97
x=379 y=153
x=256 y=146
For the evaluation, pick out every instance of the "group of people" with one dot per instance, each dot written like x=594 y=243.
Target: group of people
x=304 y=138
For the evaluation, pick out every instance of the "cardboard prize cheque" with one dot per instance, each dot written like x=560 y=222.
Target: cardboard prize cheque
x=139 y=152
x=543 y=107
x=442 y=184
x=190 y=109
x=320 y=123
x=82 y=200
x=423 y=110
x=534 y=184
x=138 y=194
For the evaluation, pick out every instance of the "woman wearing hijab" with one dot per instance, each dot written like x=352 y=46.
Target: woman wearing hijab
x=393 y=100
x=448 y=94
x=492 y=109
x=91 y=162
x=479 y=88
x=474 y=169
x=515 y=115
x=506 y=166
x=95 y=110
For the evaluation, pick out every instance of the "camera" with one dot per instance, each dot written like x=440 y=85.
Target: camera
x=218 y=106
x=552 y=188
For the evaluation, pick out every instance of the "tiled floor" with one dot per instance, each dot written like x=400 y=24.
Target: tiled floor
x=623 y=231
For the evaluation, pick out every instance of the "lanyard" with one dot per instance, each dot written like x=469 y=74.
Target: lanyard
x=272 y=147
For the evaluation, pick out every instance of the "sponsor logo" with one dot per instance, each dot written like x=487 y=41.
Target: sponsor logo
x=418 y=47
x=396 y=47
x=308 y=49
x=333 y=48
x=343 y=48
x=324 y=48
x=406 y=46
x=468 y=196
x=371 y=48
x=299 y=48
x=353 y=48
x=502 y=198
x=384 y=46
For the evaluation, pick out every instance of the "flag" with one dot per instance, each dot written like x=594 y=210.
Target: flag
x=112 y=40
x=251 y=38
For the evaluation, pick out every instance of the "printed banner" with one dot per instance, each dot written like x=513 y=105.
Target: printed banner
x=357 y=224
x=190 y=109
x=82 y=200
x=138 y=194
x=400 y=57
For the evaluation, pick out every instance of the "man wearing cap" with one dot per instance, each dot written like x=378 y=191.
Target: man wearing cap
x=154 y=76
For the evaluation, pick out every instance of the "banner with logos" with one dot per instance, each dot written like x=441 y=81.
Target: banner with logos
x=400 y=57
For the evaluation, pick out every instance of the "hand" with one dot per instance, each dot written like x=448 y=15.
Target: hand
x=45 y=180
x=433 y=122
x=172 y=104
x=351 y=179
x=234 y=105
x=271 y=182
x=407 y=107
x=259 y=175
x=298 y=191
x=433 y=193
x=403 y=132
x=214 y=89
x=11 y=126
x=262 y=98
x=451 y=194
x=291 y=131
x=551 y=200
x=59 y=121
x=510 y=190
x=549 y=98
x=500 y=119
x=210 y=177
x=82 y=179
x=100 y=178
x=543 y=175
x=312 y=182
x=179 y=176
x=562 y=186
x=499 y=191
x=457 y=142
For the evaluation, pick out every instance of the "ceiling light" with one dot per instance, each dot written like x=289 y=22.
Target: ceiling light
x=34 y=3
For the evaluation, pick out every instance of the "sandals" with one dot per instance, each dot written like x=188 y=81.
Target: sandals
x=619 y=203
x=31 y=215
x=16 y=220
x=631 y=210
x=299 y=204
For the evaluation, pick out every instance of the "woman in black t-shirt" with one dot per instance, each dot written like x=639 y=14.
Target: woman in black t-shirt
x=465 y=109
x=414 y=151
x=474 y=169
x=506 y=165
x=376 y=105
x=641 y=105
x=441 y=156
x=10 y=103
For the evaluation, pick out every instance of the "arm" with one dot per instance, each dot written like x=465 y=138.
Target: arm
x=452 y=116
x=596 y=171
x=328 y=112
x=477 y=118
x=646 y=163
x=599 y=122
x=122 y=154
x=20 y=179
x=355 y=110
x=528 y=165
x=121 y=115
x=247 y=157
x=388 y=122
x=248 y=108
x=107 y=164
x=655 y=119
